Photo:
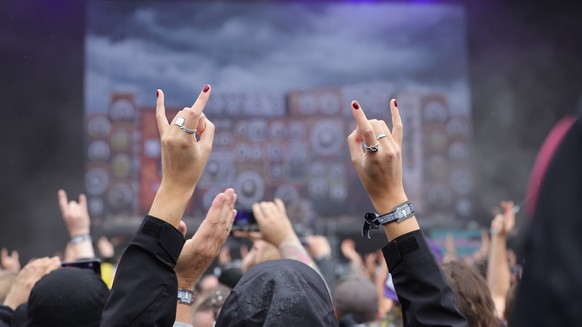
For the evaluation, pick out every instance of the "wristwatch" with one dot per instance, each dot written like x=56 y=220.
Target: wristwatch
x=185 y=296
x=398 y=214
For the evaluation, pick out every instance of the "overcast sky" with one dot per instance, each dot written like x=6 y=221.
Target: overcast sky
x=271 y=48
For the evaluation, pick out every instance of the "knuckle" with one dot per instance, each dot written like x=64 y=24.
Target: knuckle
x=368 y=132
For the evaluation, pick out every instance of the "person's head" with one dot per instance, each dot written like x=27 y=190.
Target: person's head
x=207 y=284
x=356 y=296
x=278 y=293
x=67 y=297
x=208 y=307
x=6 y=280
x=260 y=252
x=471 y=294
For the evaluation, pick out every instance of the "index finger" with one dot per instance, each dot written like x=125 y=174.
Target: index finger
x=364 y=126
x=63 y=201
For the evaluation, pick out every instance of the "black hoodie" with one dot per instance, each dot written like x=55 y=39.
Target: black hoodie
x=278 y=293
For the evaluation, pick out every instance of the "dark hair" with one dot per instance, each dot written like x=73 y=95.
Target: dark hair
x=471 y=293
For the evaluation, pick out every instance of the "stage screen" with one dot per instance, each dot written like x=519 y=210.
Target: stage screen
x=283 y=76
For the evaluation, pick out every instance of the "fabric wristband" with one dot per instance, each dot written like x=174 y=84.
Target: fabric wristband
x=398 y=214
x=80 y=239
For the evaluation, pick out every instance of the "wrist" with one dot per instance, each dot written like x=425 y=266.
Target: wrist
x=385 y=203
x=186 y=284
x=81 y=232
x=170 y=203
x=80 y=238
x=291 y=238
x=10 y=302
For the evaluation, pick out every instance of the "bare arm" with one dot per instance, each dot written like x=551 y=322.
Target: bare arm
x=276 y=229
x=76 y=218
x=498 y=273
x=424 y=294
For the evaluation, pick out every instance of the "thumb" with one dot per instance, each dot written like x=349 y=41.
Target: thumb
x=182 y=228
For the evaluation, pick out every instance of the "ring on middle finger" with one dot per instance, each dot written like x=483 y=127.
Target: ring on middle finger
x=381 y=136
x=187 y=130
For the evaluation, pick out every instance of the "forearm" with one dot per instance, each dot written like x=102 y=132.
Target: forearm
x=82 y=249
x=184 y=313
x=498 y=273
x=170 y=203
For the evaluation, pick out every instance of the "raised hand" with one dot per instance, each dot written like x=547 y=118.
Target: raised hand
x=318 y=246
x=75 y=214
x=28 y=276
x=199 y=251
x=273 y=222
x=380 y=166
x=504 y=223
x=10 y=261
x=183 y=155
x=348 y=247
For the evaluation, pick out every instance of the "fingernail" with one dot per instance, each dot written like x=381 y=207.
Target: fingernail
x=157 y=93
x=206 y=88
x=356 y=105
x=395 y=103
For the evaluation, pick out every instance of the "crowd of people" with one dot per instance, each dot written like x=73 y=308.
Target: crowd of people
x=162 y=278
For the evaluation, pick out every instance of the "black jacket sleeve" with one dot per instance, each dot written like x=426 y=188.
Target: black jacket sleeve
x=5 y=316
x=145 y=286
x=424 y=294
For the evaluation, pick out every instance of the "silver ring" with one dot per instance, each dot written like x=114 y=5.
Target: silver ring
x=381 y=136
x=372 y=148
x=187 y=130
x=180 y=122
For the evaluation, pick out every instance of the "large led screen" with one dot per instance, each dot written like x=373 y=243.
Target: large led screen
x=283 y=76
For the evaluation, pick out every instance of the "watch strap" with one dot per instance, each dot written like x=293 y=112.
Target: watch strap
x=398 y=214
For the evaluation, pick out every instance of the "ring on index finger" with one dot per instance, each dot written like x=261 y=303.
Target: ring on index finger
x=180 y=121
x=381 y=136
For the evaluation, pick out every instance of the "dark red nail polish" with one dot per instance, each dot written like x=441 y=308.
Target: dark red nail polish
x=206 y=88
x=157 y=93
x=395 y=104
x=356 y=105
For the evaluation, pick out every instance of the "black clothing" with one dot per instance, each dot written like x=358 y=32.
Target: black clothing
x=424 y=294
x=72 y=297
x=551 y=287
x=5 y=316
x=145 y=289
x=278 y=293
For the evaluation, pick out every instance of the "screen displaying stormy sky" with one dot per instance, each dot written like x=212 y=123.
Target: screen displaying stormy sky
x=260 y=47
x=273 y=56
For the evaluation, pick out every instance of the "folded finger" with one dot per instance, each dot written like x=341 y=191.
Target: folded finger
x=355 y=146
